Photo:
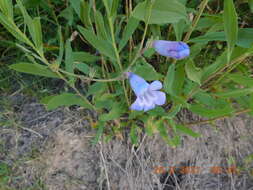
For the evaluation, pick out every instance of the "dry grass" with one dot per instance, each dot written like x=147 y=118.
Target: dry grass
x=66 y=160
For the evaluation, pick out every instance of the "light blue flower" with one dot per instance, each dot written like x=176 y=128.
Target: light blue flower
x=176 y=50
x=148 y=95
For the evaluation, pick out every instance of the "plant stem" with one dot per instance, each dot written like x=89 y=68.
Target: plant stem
x=110 y=20
x=65 y=80
x=232 y=63
x=196 y=19
x=138 y=54
x=91 y=79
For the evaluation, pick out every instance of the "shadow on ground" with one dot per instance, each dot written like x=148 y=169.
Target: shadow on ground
x=53 y=150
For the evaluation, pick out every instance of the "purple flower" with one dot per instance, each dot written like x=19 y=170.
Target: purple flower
x=176 y=50
x=148 y=95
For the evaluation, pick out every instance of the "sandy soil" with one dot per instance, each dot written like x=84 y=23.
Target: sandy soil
x=53 y=150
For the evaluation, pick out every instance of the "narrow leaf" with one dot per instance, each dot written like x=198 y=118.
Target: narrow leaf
x=14 y=30
x=230 y=24
x=6 y=8
x=163 y=12
x=33 y=69
x=187 y=131
x=193 y=73
x=100 y=127
x=128 y=31
x=101 y=45
x=211 y=113
x=235 y=93
x=169 y=80
x=66 y=99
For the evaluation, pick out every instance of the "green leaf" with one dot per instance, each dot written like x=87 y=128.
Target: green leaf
x=34 y=69
x=164 y=133
x=241 y=79
x=180 y=79
x=173 y=111
x=85 y=57
x=216 y=66
x=128 y=31
x=187 y=131
x=6 y=8
x=106 y=101
x=83 y=67
x=230 y=24
x=96 y=88
x=179 y=29
x=248 y=159
x=69 y=61
x=33 y=25
x=235 y=93
x=251 y=5
x=169 y=80
x=66 y=99
x=163 y=12
x=193 y=73
x=68 y=14
x=85 y=14
x=101 y=127
x=114 y=8
x=37 y=37
x=221 y=61
x=146 y=71
x=205 y=98
x=133 y=134
x=244 y=38
x=14 y=30
x=158 y=111
x=211 y=113
x=211 y=36
x=76 y=4
x=107 y=4
x=101 y=45
x=100 y=26
x=61 y=44
x=116 y=111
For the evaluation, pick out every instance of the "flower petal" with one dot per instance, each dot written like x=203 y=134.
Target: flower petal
x=155 y=85
x=160 y=98
x=149 y=107
x=138 y=84
x=137 y=105
x=177 y=50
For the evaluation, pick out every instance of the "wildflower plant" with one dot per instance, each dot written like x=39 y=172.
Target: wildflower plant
x=143 y=61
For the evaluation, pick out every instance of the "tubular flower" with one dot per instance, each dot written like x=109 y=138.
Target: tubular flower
x=148 y=95
x=176 y=50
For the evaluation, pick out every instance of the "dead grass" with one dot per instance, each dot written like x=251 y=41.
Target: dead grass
x=66 y=160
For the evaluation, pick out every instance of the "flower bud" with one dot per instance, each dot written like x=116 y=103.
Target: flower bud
x=176 y=50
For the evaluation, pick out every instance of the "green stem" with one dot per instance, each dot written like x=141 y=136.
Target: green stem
x=65 y=80
x=196 y=19
x=232 y=63
x=91 y=79
x=138 y=54
x=117 y=53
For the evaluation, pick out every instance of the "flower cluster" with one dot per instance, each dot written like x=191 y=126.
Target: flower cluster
x=148 y=95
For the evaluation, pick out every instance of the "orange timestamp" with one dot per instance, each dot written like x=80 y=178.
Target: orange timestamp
x=195 y=170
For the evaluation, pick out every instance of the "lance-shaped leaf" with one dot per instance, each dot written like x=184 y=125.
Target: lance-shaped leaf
x=163 y=12
x=34 y=69
x=230 y=24
x=100 y=44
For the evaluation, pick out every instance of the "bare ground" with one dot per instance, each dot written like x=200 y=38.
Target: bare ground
x=53 y=150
